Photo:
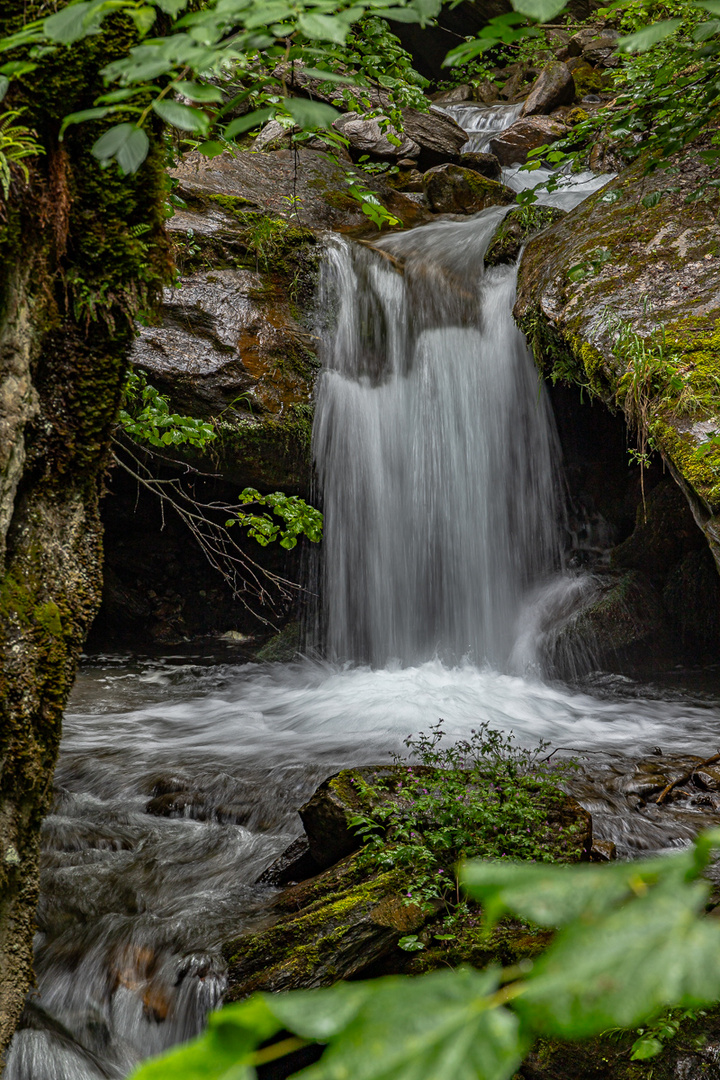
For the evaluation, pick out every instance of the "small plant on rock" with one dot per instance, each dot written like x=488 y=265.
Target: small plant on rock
x=478 y=797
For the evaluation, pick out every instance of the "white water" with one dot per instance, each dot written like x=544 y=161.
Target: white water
x=435 y=452
x=437 y=457
x=482 y=123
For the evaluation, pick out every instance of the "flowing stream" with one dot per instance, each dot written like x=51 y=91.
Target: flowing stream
x=438 y=462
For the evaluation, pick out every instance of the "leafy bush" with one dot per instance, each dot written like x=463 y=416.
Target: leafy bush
x=481 y=796
x=146 y=418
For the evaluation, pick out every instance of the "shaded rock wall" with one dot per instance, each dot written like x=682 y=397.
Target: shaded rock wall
x=73 y=275
x=655 y=267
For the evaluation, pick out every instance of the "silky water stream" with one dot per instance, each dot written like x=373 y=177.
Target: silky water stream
x=438 y=463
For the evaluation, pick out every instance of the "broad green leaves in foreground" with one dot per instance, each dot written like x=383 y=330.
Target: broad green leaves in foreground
x=632 y=939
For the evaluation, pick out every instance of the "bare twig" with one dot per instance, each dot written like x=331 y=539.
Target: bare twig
x=258 y=589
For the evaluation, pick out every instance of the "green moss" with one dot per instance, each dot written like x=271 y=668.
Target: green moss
x=47 y=616
x=515 y=229
x=700 y=469
x=271 y=452
x=587 y=80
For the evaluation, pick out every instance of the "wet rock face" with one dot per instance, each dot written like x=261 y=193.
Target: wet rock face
x=224 y=337
x=646 y=257
x=514 y=144
x=451 y=189
x=440 y=139
x=553 y=87
x=270 y=182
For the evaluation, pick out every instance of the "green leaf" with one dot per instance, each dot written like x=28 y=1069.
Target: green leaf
x=555 y=895
x=211 y=148
x=626 y=965
x=79 y=117
x=713 y=6
x=706 y=30
x=181 y=116
x=330 y=76
x=68 y=24
x=108 y=144
x=432 y=1026
x=171 y=7
x=143 y=17
x=310 y=114
x=645 y=1048
x=324 y=27
x=404 y=15
x=133 y=151
x=4 y=86
x=426 y=9
x=540 y=10
x=245 y=123
x=196 y=91
x=649 y=35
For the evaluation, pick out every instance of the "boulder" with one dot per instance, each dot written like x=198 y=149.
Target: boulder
x=486 y=92
x=440 y=139
x=195 y=805
x=326 y=815
x=451 y=97
x=274 y=136
x=366 y=136
x=451 y=189
x=554 y=86
x=659 y=268
x=618 y=615
x=348 y=920
x=293 y=865
x=333 y=927
x=300 y=183
x=513 y=145
x=485 y=164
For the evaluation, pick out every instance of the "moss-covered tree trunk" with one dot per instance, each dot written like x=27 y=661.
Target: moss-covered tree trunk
x=81 y=252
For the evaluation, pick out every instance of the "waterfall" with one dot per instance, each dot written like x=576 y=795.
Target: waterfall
x=435 y=451
x=482 y=123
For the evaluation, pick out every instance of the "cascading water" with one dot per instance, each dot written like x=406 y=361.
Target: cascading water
x=434 y=449
x=481 y=124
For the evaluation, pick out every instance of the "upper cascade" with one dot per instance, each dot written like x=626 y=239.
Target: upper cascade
x=435 y=451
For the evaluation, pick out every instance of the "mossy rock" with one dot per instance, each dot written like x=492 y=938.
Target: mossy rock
x=451 y=189
x=516 y=228
x=334 y=929
x=587 y=80
x=623 y=614
x=347 y=921
x=283 y=647
x=642 y=254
